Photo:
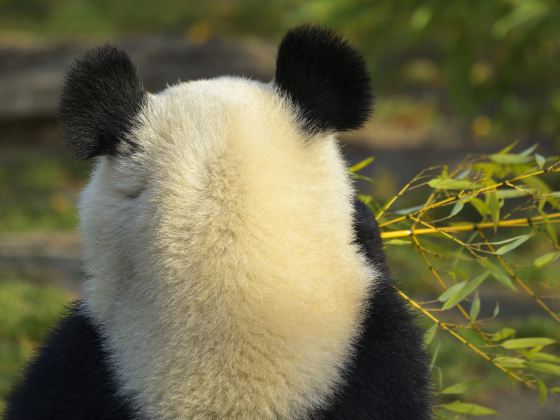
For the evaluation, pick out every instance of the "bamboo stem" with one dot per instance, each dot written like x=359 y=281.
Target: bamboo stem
x=471 y=227
x=471 y=346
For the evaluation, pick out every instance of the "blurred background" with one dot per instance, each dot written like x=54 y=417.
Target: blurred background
x=452 y=79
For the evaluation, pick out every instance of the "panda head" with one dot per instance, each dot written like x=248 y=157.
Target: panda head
x=221 y=210
x=204 y=159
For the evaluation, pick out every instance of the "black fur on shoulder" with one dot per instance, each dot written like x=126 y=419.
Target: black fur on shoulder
x=101 y=99
x=325 y=77
x=388 y=377
x=69 y=379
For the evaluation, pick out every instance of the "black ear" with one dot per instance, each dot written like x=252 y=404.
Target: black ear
x=325 y=77
x=100 y=103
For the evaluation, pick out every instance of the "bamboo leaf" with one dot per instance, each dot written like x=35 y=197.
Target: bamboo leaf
x=430 y=334
x=520 y=343
x=480 y=206
x=551 y=232
x=514 y=193
x=434 y=357
x=503 y=334
x=496 y=310
x=493 y=203
x=545 y=357
x=497 y=273
x=510 y=362
x=506 y=241
x=529 y=150
x=457 y=208
x=475 y=308
x=543 y=392
x=511 y=246
x=362 y=177
x=510 y=158
x=508 y=148
x=451 y=291
x=459 y=388
x=546 y=259
x=540 y=160
x=468 y=408
x=466 y=290
x=409 y=210
x=463 y=174
x=361 y=165
x=453 y=184
x=545 y=367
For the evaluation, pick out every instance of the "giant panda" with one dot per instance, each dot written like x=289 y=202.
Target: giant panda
x=229 y=271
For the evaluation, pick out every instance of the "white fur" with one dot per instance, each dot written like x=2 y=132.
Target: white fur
x=220 y=261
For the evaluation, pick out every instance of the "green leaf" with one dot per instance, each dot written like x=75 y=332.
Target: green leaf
x=508 y=148
x=457 y=208
x=493 y=203
x=545 y=367
x=511 y=246
x=409 y=210
x=520 y=343
x=468 y=408
x=529 y=150
x=496 y=310
x=551 y=231
x=510 y=159
x=459 y=388
x=451 y=291
x=506 y=241
x=361 y=165
x=434 y=357
x=543 y=392
x=497 y=273
x=480 y=206
x=466 y=290
x=545 y=357
x=475 y=308
x=514 y=193
x=537 y=184
x=453 y=184
x=540 y=160
x=510 y=362
x=361 y=177
x=546 y=259
x=430 y=334
x=503 y=334
x=463 y=174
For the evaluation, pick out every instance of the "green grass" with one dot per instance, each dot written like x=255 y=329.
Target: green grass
x=28 y=312
x=39 y=193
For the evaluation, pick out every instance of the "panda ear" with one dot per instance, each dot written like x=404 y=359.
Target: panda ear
x=101 y=99
x=325 y=77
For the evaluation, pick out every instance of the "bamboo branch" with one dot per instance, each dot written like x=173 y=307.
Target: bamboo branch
x=472 y=227
x=471 y=346
x=464 y=194
x=520 y=281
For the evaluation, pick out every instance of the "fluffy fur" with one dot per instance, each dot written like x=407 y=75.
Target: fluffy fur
x=231 y=322
x=100 y=100
x=227 y=273
x=326 y=77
